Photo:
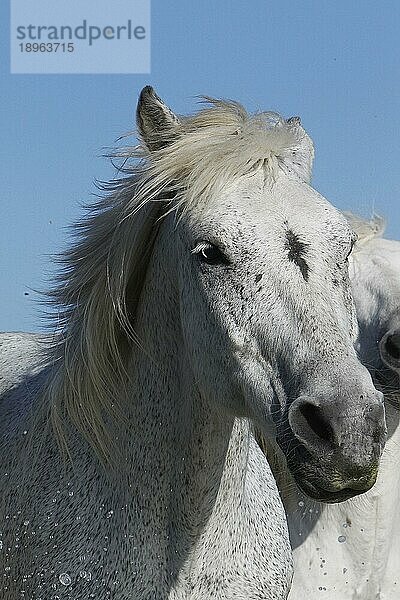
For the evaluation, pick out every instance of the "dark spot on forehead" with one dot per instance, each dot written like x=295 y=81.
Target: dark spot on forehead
x=296 y=252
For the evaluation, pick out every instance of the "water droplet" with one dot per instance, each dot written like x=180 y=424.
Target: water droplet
x=65 y=579
x=301 y=503
x=109 y=514
x=25 y=432
x=345 y=525
x=341 y=539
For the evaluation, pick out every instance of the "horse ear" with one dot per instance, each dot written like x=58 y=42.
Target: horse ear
x=156 y=123
x=294 y=121
x=303 y=155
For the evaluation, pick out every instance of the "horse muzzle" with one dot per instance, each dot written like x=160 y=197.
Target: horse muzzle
x=333 y=453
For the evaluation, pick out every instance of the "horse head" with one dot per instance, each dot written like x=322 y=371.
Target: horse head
x=259 y=262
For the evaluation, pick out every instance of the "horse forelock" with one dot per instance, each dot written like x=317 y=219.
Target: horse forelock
x=95 y=318
x=222 y=143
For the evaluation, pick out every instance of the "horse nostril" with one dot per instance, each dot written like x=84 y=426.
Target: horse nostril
x=316 y=421
x=392 y=345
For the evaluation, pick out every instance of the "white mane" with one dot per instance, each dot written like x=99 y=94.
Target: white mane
x=102 y=276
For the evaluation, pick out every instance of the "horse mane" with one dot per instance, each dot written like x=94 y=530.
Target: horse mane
x=96 y=292
x=366 y=229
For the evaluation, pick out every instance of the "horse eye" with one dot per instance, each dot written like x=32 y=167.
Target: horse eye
x=212 y=255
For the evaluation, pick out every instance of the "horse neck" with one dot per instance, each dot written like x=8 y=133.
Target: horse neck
x=182 y=450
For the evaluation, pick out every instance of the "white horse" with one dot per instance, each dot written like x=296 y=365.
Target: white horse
x=352 y=550
x=209 y=288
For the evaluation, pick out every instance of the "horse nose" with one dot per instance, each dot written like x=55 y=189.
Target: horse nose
x=336 y=439
x=328 y=425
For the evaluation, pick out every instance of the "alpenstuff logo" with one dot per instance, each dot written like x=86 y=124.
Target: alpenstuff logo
x=85 y=31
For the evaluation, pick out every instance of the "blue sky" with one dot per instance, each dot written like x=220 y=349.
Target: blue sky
x=336 y=64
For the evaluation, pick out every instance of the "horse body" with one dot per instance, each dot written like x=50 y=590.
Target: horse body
x=154 y=530
x=71 y=530
x=352 y=550
x=201 y=297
